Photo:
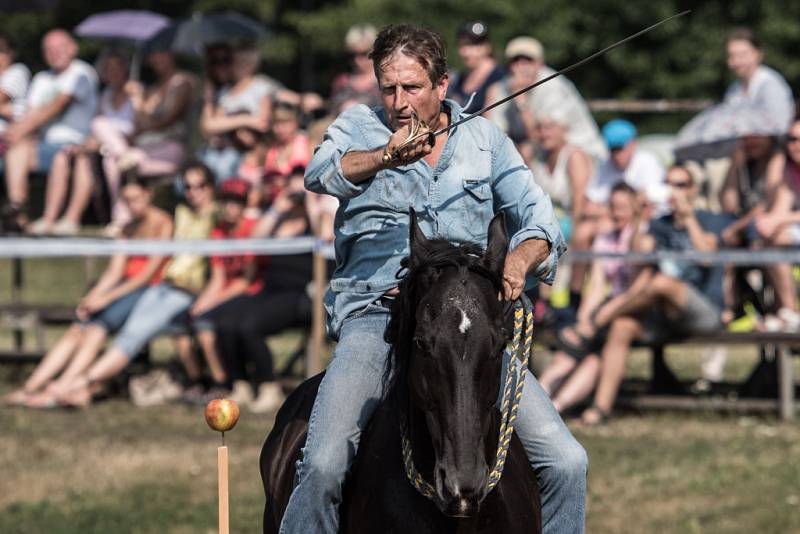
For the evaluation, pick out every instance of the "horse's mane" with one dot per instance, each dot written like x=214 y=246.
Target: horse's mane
x=438 y=254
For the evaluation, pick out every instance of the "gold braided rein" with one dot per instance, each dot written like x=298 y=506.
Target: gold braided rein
x=523 y=325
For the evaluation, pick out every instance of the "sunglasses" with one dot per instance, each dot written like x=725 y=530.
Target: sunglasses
x=194 y=187
x=680 y=185
x=792 y=138
x=526 y=59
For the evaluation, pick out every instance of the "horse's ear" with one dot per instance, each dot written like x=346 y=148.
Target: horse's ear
x=497 y=247
x=418 y=241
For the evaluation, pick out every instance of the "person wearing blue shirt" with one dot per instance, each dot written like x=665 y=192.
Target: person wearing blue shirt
x=455 y=185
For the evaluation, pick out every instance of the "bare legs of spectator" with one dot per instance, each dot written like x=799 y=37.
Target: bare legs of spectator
x=57 y=187
x=75 y=351
x=579 y=385
x=187 y=357
x=20 y=160
x=783 y=283
x=556 y=372
x=208 y=342
x=621 y=334
x=79 y=391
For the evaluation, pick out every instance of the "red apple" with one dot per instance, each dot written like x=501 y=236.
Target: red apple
x=222 y=414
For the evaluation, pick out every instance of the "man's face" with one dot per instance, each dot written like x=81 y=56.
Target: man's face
x=59 y=50
x=681 y=186
x=622 y=156
x=524 y=67
x=406 y=87
x=743 y=58
x=6 y=55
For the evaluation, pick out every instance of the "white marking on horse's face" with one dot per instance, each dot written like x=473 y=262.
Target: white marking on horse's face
x=465 y=322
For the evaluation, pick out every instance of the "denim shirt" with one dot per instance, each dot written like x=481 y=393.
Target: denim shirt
x=479 y=173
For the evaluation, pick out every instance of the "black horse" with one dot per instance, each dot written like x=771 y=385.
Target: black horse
x=448 y=331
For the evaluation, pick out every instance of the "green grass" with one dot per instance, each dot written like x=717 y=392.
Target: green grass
x=119 y=469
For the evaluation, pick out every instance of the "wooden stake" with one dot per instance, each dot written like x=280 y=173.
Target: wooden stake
x=222 y=476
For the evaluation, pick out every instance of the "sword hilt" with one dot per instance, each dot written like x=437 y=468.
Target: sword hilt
x=418 y=129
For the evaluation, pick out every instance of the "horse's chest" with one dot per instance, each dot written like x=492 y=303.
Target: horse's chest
x=379 y=499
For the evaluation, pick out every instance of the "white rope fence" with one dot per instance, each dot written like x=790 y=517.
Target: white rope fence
x=26 y=247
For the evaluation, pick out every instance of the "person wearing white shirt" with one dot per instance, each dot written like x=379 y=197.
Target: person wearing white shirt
x=757 y=85
x=61 y=104
x=525 y=59
x=14 y=79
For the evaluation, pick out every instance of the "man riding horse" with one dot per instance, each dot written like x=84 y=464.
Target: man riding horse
x=455 y=183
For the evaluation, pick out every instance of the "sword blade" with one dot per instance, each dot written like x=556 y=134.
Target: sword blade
x=559 y=73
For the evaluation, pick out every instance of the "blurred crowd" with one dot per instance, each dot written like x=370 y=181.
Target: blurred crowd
x=234 y=142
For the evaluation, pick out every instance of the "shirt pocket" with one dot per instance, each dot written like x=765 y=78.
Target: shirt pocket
x=400 y=189
x=477 y=206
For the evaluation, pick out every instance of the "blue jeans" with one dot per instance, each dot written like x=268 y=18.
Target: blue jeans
x=349 y=394
x=153 y=312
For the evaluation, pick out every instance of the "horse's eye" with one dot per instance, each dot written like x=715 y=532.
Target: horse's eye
x=421 y=344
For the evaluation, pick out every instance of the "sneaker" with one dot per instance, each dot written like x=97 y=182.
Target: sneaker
x=39 y=227
x=65 y=227
x=242 y=393
x=790 y=318
x=269 y=399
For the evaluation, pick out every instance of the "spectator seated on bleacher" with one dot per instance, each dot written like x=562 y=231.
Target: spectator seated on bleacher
x=289 y=149
x=359 y=84
x=244 y=105
x=573 y=373
x=105 y=307
x=161 y=129
x=77 y=161
x=663 y=302
x=753 y=188
x=778 y=225
x=757 y=85
x=627 y=163
x=232 y=278
x=61 y=104
x=281 y=302
x=525 y=60
x=184 y=278
x=14 y=80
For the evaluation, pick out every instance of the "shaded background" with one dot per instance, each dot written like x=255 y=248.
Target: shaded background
x=681 y=60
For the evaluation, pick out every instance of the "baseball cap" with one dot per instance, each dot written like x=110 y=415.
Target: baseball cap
x=474 y=31
x=235 y=189
x=526 y=47
x=618 y=133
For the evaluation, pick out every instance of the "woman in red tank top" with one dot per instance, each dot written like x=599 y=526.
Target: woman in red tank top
x=104 y=308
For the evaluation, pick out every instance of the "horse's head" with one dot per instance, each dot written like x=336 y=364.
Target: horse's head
x=448 y=336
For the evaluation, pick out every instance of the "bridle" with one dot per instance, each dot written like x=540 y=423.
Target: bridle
x=520 y=348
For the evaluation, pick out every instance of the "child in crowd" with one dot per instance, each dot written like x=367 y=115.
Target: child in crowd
x=231 y=277
x=281 y=302
x=184 y=278
x=573 y=373
x=105 y=307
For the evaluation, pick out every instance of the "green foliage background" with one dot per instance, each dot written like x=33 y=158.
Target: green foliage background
x=681 y=60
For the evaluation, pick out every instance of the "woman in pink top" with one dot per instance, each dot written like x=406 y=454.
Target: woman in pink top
x=572 y=374
x=289 y=149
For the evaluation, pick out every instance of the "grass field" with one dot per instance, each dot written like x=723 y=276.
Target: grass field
x=120 y=469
